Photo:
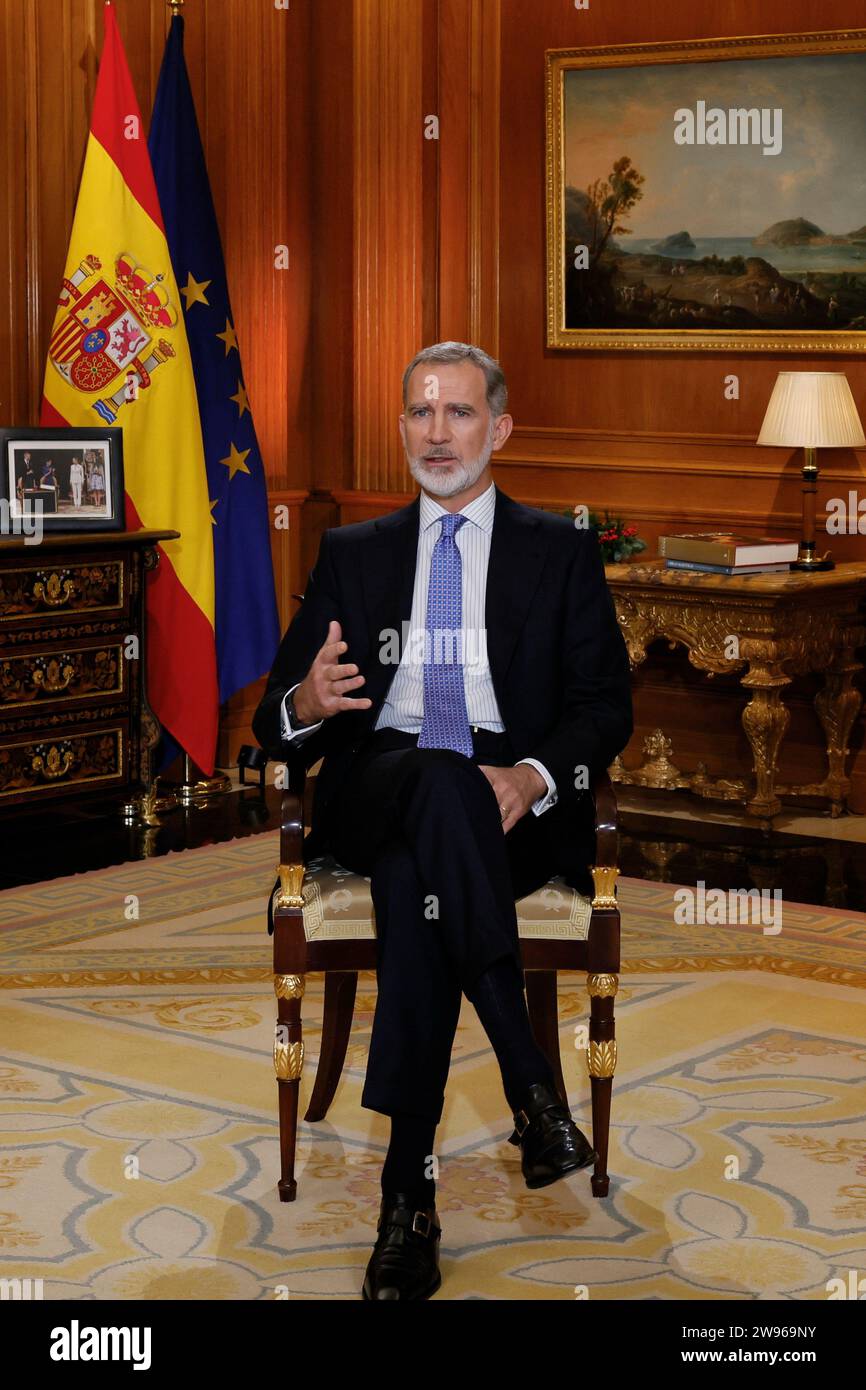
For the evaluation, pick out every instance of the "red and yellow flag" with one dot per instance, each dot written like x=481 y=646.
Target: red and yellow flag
x=119 y=355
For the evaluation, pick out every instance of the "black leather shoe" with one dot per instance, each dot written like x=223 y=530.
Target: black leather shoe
x=405 y=1259
x=550 y=1142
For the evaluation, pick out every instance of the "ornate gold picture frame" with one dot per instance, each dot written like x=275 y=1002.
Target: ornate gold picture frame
x=702 y=195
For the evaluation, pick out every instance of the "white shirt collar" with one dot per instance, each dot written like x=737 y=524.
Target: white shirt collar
x=480 y=510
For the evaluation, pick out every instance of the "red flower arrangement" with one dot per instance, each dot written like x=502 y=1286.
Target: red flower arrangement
x=618 y=541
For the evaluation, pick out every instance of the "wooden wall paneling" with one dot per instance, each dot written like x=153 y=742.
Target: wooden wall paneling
x=51 y=112
x=290 y=569
x=332 y=261
x=469 y=175
x=66 y=47
x=389 y=59
x=29 y=385
x=320 y=512
x=357 y=504
x=430 y=175
x=284 y=135
x=15 y=247
x=676 y=481
x=455 y=116
x=484 y=176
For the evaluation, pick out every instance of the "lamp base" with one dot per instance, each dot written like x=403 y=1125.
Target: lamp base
x=810 y=563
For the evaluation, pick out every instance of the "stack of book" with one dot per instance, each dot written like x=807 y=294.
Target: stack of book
x=722 y=552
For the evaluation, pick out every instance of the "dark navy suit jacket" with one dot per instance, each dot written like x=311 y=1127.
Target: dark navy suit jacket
x=557 y=658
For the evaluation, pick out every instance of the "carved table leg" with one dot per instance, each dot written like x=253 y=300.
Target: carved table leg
x=288 y=1065
x=765 y=719
x=837 y=705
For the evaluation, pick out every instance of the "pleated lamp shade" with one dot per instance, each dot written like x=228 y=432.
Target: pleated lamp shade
x=812 y=410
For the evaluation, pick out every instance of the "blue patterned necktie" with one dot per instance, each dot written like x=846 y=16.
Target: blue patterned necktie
x=446 y=719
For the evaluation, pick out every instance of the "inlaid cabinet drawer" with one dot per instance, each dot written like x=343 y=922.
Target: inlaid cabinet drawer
x=75 y=724
x=30 y=591
x=30 y=679
x=49 y=764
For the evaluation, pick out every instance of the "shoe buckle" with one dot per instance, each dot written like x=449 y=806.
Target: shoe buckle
x=521 y=1123
x=421 y=1216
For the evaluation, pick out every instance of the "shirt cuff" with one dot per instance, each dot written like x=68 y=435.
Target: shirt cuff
x=543 y=803
x=292 y=732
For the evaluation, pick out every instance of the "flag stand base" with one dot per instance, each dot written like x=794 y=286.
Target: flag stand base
x=163 y=796
x=194 y=787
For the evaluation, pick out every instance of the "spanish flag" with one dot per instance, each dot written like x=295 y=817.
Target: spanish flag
x=119 y=354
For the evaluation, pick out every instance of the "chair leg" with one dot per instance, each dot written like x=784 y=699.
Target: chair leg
x=544 y=1017
x=601 y=1059
x=288 y=1065
x=340 y=989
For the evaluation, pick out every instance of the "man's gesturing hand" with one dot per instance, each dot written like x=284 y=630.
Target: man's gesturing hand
x=322 y=692
x=516 y=788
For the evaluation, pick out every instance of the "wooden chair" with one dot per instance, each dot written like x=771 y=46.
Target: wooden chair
x=323 y=920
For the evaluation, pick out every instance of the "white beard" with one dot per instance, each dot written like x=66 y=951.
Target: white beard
x=459 y=476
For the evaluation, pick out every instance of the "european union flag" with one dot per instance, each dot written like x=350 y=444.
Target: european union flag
x=247 y=622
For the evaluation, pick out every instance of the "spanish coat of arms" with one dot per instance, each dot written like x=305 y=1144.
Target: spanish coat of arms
x=107 y=333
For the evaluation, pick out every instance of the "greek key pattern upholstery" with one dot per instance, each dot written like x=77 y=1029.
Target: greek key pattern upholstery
x=338 y=907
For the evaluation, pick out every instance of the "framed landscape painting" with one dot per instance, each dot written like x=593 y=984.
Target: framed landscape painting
x=708 y=194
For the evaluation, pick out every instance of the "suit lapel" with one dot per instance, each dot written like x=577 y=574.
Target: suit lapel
x=517 y=557
x=388 y=577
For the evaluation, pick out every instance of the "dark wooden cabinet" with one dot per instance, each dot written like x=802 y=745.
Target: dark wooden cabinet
x=74 y=718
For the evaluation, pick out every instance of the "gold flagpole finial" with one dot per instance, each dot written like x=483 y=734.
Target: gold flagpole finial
x=175 y=6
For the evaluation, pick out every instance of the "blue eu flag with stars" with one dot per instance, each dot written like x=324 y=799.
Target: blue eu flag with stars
x=247 y=622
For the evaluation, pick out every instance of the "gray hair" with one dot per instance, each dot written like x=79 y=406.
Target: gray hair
x=497 y=391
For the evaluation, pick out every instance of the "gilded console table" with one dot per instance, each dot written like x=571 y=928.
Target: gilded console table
x=74 y=718
x=769 y=627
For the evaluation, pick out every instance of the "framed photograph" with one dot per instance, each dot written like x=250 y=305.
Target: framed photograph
x=705 y=195
x=72 y=477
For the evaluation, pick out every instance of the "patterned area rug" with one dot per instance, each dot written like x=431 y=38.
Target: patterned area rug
x=138 y=1148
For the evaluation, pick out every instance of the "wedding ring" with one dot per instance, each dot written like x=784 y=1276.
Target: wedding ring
x=502 y=809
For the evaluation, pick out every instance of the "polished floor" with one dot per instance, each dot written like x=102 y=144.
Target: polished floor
x=665 y=837
x=671 y=838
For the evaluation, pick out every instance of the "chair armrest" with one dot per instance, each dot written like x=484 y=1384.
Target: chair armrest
x=292 y=812
x=604 y=801
x=290 y=883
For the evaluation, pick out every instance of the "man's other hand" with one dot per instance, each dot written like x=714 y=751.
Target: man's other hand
x=516 y=788
x=322 y=692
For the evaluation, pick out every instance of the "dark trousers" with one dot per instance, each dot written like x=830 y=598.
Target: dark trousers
x=424 y=825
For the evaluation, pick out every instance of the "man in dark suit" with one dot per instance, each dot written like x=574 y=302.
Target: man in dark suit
x=485 y=683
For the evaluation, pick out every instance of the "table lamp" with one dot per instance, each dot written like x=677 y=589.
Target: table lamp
x=811 y=411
